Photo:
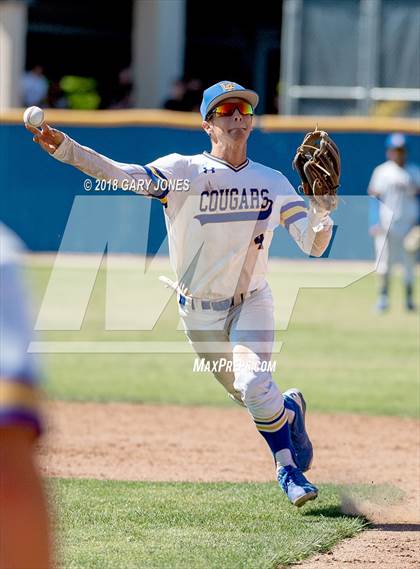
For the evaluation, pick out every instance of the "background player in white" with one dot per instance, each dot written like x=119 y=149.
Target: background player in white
x=219 y=234
x=396 y=184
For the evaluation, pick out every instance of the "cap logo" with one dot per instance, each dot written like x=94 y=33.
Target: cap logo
x=227 y=86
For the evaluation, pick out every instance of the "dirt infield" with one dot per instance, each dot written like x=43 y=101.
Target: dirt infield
x=171 y=443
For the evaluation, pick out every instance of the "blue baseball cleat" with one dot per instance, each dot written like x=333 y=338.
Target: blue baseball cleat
x=294 y=400
x=295 y=486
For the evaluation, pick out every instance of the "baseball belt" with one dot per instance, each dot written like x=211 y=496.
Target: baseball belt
x=202 y=304
x=225 y=304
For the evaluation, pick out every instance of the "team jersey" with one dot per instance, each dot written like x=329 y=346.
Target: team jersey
x=220 y=218
x=397 y=188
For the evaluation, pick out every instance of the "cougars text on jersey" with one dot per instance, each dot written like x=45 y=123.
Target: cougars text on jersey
x=232 y=204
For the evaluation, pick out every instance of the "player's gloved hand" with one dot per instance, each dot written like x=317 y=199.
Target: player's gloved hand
x=317 y=162
x=48 y=138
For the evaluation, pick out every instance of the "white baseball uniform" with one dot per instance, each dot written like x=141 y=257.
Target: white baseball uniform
x=397 y=188
x=219 y=233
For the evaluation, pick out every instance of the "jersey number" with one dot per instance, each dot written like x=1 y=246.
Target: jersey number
x=259 y=241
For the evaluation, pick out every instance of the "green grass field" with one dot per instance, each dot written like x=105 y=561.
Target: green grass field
x=108 y=525
x=337 y=349
x=344 y=356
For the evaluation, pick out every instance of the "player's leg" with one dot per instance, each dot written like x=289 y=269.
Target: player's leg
x=383 y=270
x=294 y=401
x=204 y=330
x=252 y=336
x=409 y=264
x=295 y=405
x=202 y=342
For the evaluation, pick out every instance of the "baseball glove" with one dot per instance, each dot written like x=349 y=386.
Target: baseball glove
x=317 y=161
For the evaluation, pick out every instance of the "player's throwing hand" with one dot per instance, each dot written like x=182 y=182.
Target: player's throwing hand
x=48 y=138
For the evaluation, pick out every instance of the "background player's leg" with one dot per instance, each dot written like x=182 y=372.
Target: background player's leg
x=409 y=262
x=382 y=268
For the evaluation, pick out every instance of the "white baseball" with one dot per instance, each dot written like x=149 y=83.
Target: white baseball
x=33 y=116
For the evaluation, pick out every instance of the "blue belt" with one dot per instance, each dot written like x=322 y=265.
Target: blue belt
x=221 y=305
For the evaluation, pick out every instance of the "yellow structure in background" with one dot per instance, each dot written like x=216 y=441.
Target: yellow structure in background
x=177 y=119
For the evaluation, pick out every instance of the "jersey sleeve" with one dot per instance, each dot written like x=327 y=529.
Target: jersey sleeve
x=310 y=230
x=139 y=179
x=376 y=186
x=292 y=205
x=293 y=208
x=164 y=174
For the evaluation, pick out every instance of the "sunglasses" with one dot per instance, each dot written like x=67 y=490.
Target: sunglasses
x=227 y=109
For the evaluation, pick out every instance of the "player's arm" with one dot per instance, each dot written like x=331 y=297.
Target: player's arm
x=375 y=185
x=374 y=190
x=310 y=227
x=63 y=148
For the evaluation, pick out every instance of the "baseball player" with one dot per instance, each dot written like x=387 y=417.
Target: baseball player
x=219 y=235
x=396 y=184
x=24 y=535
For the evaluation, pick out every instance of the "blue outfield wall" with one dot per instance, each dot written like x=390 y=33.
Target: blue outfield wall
x=38 y=192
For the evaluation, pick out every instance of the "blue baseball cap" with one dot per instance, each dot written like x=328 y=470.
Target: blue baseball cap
x=225 y=90
x=395 y=140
